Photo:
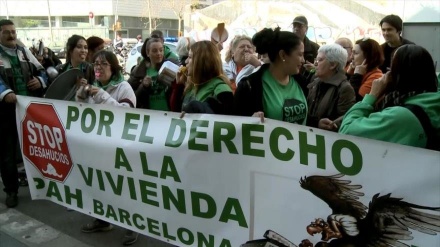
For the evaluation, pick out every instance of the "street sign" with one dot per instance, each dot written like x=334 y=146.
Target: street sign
x=44 y=142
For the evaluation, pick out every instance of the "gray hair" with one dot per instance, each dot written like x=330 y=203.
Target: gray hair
x=334 y=53
x=183 y=46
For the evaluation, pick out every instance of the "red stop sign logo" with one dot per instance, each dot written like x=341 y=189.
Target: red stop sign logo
x=44 y=142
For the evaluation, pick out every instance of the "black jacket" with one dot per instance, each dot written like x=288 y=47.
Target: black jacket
x=310 y=50
x=388 y=52
x=248 y=97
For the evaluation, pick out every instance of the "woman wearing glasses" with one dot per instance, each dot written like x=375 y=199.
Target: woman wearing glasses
x=109 y=86
x=330 y=94
x=367 y=56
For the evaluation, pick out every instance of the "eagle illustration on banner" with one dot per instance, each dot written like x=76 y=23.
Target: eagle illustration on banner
x=387 y=221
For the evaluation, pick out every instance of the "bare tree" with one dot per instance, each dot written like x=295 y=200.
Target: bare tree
x=178 y=8
x=152 y=10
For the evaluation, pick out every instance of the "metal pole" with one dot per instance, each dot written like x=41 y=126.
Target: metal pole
x=116 y=18
x=7 y=11
x=50 y=23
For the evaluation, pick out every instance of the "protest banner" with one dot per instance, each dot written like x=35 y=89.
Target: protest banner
x=212 y=180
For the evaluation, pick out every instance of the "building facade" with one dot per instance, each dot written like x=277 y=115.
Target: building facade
x=92 y=17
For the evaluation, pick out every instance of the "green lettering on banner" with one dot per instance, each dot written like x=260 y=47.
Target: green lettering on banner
x=225 y=243
x=275 y=147
x=124 y=216
x=146 y=192
x=197 y=208
x=178 y=202
x=193 y=134
x=98 y=207
x=165 y=232
x=53 y=191
x=88 y=179
x=121 y=160
x=72 y=116
x=39 y=183
x=129 y=126
x=305 y=149
x=189 y=240
x=169 y=169
x=132 y=188
x=170 y=142
x=105 y=120
x=145 y=169
x=116 y=187
x=77 y=196
x=143 y=137
x=248 y=139
x=357 y=163
x=153 y=226
x=137 y=217
x=100 y=180
x=88 y=112
x=225 y=138
x=233 y=204
x=111 y=213
x=202 y=241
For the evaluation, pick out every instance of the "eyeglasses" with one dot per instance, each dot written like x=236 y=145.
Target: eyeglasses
x=7 y=32
x=104 y=64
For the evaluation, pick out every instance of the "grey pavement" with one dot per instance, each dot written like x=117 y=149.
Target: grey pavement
x=42 y=223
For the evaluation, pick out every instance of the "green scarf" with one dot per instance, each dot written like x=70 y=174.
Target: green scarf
x=114 y=80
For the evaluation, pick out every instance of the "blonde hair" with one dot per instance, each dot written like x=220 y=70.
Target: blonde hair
x=233 y=45
x=183 y=46
x=206 y=65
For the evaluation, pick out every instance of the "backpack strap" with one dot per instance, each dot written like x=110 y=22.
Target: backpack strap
x=427 y=126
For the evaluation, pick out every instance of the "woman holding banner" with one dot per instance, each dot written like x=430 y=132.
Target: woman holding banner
x=276 y=90
x=108 y=88
x=206 y=87
x=403 y=106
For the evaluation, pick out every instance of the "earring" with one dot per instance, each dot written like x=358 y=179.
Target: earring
x=284 y=60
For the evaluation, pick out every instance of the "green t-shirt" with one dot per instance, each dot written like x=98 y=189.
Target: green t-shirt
x=158 y=98
x=212 y=88
x=284 y=102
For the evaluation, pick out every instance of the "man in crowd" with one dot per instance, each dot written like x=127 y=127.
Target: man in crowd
x=348 y=46
x=391 y=26
x=20 y=74
x=300 y=27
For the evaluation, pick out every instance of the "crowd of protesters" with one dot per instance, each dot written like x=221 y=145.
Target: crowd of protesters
x=386 y=92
